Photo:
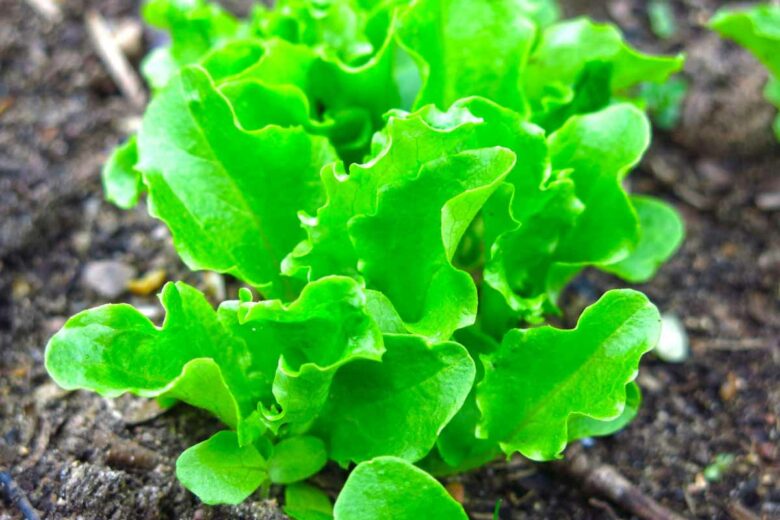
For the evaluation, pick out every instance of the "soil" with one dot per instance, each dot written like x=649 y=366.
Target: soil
x=76 y=455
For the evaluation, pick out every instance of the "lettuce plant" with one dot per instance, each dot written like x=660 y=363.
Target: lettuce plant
x=757 y=29
x=406 y=185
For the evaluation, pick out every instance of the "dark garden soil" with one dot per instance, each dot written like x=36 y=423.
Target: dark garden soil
x=76 y=455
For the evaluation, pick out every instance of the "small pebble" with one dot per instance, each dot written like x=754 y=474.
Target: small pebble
x=673 y=344
x=768 y=201
x=108 y=278
x=730 y=387
x=128 y=34
x=214 y=285
x=151 y=311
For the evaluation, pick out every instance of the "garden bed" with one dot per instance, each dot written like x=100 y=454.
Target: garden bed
x=76 y=454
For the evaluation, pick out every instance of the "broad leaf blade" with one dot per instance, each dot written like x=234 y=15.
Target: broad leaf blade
x=567 y=48
x=306 y=502
x=195 y=27
x=296 y=458
x=299 y=346
x=115 y=349
x=219 y=471
x=540 y=377
x=452 y=39
x=387 y=487
x=429 y=293
x=231 y=197
x=418 y=389
x=756 y=28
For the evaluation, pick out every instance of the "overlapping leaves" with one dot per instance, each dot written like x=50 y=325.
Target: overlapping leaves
x=411 y=182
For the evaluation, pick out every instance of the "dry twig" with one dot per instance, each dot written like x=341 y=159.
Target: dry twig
x=116 y=62
x=606 y=482
x=10 y=492
x=49 y=9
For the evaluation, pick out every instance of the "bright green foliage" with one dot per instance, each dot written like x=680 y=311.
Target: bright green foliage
x=220 y=471
x=305 y=502
x=387 y=487
x=581 y=426
x=409 y=185
x=200 y=170
x=662 y=232
x=534 y=381
x=121 y=181
x=664 y=101
x=401 y=404
x=758 y=30
x=296 y=458
x=661 y=17
x=115 y=349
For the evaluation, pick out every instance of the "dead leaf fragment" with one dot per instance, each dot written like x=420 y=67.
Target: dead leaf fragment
x=148 y=283
x=457 y=491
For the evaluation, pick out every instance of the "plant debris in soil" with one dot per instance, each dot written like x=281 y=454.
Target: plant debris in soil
x=77 y=455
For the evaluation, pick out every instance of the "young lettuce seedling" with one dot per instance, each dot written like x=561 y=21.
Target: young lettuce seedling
x=407 y=184
x=758 y=30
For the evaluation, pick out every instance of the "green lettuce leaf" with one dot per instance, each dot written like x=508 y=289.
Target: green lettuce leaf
x=356 y=229
x=566 y=54
x=115 y=349
x=757 y=29
x=458 y=448
x=296 y=458
x=122 y=183
x=401 y=404
x=195 y=28
x=306 y=502
x=387 y=487
x=429 y=293
x=219 y=471
x=583 y=216
x=300 y=346
x=231 y=197
x=582 y=426
x=662 y=232
x=451 y=39
x=539 y=378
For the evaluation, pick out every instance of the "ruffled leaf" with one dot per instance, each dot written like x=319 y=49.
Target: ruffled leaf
x=231 y=197
x=582 y=426
x=299 y=346
x=451 y=40
x=432 y=296
x=565 y=52
x=539 y=378
x=115 y=349
x=195 y=28
x=400 y=403
x=583 y=216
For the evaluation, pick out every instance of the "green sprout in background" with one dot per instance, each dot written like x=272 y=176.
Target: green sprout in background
x=758 y=30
